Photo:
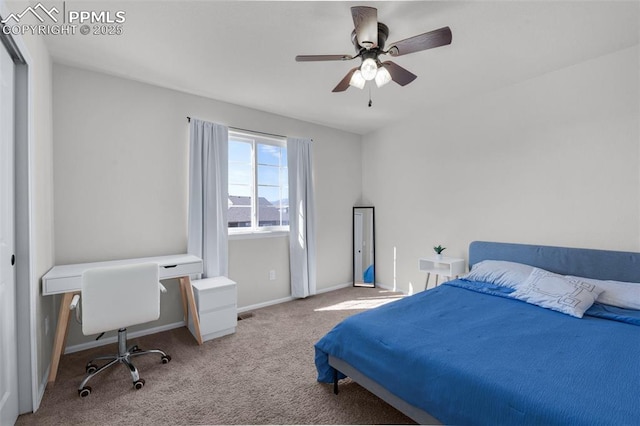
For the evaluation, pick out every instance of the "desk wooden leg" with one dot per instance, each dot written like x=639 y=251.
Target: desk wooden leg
x=185 y=309
x=61 y=335
x=426 y=283
x=185 y=283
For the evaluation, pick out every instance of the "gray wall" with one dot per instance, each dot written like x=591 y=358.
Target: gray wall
x=554 y=160
x=120 y=183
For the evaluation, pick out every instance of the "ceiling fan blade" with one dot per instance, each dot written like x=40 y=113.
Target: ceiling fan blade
x=311 y=58
x=399 y=74
x=365 y=21
x=344 y=83
x=435 y=38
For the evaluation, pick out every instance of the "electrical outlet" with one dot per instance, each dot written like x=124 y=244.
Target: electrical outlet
x=46 y=326
x=272 y=275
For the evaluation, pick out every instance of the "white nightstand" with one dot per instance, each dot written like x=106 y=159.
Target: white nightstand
x=446 y=266
x=216 y=299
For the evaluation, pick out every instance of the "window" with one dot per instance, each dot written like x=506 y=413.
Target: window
x=258 y=183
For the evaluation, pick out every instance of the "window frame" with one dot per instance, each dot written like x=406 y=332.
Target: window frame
x=255 y=139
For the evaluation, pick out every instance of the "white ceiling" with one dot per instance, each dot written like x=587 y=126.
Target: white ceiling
x=243 y=52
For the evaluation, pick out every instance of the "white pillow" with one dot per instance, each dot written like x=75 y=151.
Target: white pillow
x=568 y=295
x=616 y=293
x=500 y=272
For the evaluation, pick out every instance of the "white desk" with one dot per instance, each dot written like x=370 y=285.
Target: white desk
x=67 y=280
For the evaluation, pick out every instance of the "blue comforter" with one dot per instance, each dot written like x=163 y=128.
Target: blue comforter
x=468 y=354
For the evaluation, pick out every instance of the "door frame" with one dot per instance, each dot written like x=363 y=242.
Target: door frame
x=27 y=289
x=8 y=299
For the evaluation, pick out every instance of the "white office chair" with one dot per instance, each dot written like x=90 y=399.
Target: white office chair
x=115 y=298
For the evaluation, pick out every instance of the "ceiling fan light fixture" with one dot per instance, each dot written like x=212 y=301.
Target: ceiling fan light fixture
x=382 y=77
x=369 y=68
x=369 y=38
x=357 y=80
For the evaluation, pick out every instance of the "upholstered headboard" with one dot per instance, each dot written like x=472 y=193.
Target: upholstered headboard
x=589 y=263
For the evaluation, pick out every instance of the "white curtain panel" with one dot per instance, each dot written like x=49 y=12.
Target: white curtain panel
x=302 y=219
x=209 y=196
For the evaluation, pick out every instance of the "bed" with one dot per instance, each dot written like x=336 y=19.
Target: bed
x=469 y=352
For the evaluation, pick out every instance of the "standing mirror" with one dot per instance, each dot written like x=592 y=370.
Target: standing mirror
x=364 y=249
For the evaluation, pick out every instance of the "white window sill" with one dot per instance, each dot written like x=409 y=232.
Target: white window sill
x=257 y=234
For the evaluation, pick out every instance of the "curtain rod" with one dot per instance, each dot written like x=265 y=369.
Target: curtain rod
x=248 y=130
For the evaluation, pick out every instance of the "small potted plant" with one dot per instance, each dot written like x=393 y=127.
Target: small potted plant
x=439 y=249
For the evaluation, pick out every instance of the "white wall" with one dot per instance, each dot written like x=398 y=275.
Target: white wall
x=42 y=187
x=250 y=264
x=554 y=160
x=120 y=179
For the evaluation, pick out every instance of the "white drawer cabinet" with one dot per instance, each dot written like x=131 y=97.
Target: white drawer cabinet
x=216 y=300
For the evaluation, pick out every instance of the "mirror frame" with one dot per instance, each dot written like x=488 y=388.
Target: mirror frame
x=361 y=283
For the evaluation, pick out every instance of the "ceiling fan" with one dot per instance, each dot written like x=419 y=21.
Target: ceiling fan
x=368 y=38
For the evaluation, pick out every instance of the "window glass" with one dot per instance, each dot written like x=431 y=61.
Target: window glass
x=258 y=183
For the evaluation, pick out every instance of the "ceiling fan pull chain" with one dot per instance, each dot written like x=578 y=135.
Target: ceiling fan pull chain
x=370 y=101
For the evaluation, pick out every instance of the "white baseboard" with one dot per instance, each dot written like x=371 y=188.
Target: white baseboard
x=340 y=286
x=386 y=287
x=44 y=381
x=289 y=299
x=390 y=288
x=113 y=339
x=335 y=287
x=265 y=304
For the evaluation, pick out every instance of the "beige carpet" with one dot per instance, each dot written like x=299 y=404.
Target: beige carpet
x=262 y=374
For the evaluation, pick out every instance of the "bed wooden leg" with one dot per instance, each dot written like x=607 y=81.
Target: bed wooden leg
x=335 y=381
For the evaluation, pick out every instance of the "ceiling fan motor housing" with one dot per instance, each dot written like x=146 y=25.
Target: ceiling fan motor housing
x=383 y=33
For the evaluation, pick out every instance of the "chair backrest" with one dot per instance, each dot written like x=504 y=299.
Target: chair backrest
x=119 y=296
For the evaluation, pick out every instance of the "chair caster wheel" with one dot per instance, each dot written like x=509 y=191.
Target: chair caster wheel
x=134 y=348
x=85 y=391
x=166 y=359
x=138 y=384
x=91 y=368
